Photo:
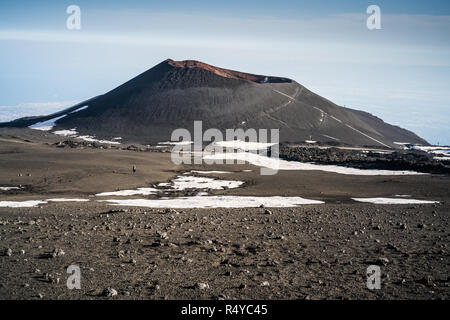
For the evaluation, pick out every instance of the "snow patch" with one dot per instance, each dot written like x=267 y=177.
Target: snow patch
x=191 y=182
x=9 y=188
x=22 y=204
x=434 y=149
x=35 y=203
x=208 y=172
x=401 y=143
x=173 y=143
x=73 y=134
x=49 y=124
x=66 y=133
x=46 y=125
x=93 y=139
x=215 y=202
x=82 y=108
x=138 y=191
x=243 y=145
x=393 y=201
x=443 y=153
x=67 y=200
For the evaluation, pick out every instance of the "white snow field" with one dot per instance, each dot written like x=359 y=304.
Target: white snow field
x=215 y=202
x=393 y=201
x=67 y=200
x=35 y=203
x=138 y=191
x=49 y=124
x=191 y=182
x=22 y=204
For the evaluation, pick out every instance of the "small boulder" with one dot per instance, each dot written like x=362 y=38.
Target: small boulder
x=201 y=285
x=109 y=292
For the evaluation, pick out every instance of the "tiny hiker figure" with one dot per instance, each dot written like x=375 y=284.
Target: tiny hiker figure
x=134 y=169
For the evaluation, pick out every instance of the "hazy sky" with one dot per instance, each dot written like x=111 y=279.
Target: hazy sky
x=400 y=73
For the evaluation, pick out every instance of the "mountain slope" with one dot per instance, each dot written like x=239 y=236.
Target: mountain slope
x=173 y=94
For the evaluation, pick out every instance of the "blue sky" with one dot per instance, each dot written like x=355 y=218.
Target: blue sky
x=400 y=73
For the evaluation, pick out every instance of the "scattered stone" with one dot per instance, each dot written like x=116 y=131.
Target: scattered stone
x=222 y=296
x=109 y=292
x=117 y=211
x=265 y=284
x=170 y=211
x=56 y=253
x=50 y=278
x=382 y=261
x=267 y=212
x=156 y=243
x=428 y=280
x=162 y=235
x=201 y=285
x=8 y=252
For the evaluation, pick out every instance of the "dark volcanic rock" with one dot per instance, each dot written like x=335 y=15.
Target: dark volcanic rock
x=399 y=160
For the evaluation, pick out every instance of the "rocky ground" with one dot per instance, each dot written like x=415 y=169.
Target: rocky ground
x=307 y=252
x=297 y=253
